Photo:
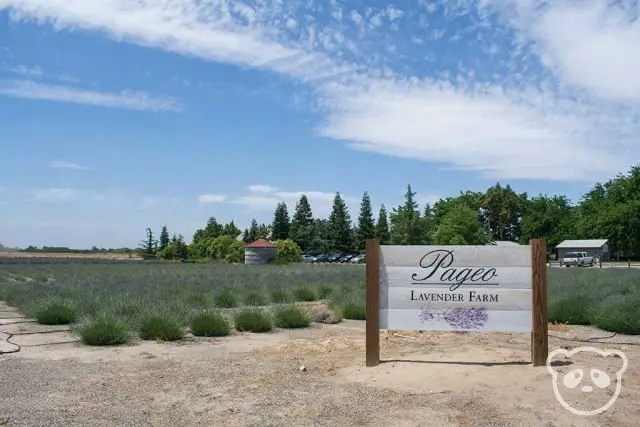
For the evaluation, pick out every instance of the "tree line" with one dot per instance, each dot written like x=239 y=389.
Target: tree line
x=611 y=210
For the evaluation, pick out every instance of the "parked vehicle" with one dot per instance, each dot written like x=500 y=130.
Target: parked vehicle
x=335 y=257
x=345 y=258
x=322 y=258
x=309 y=258
x=577 y=259
x=358 y=259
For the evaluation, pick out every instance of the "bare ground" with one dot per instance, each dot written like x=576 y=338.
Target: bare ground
x=427 y=379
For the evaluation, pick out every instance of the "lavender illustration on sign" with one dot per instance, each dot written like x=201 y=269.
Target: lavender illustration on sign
x=458 y=317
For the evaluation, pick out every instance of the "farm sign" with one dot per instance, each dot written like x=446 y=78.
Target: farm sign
x=456 y=288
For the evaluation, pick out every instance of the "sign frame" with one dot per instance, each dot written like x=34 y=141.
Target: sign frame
x=539 y=332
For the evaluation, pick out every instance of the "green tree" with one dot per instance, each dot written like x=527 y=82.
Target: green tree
x=213 y=229
x=164 y=238
x=219 y=247
x=460 y=226
x=382 y=227
x=406 y=224
x=246 y=237
x=149 y=246
x=288 y=251
x=504 y=208
x=550 y=218
x=235 y=253
x=253 y=230
x=231 y=229
x=366 y=228
x=281 y=223
x=320 y=233
x=301 y=229
x=340 y=226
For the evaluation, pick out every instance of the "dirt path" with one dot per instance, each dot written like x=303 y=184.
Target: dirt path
x=439 y=379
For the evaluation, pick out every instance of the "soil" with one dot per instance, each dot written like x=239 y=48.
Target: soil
x=313 y=377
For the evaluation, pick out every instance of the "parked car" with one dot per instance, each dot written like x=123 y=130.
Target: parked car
x=335 y=257
x=358 y=259
x=577 y=259
x=309 y=258
x=322 y=258
x=348 y=258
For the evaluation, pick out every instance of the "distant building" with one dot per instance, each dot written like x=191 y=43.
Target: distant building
x=260 y=252
x=596 y=248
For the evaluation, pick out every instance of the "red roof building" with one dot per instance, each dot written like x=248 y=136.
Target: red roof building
x=261 y=243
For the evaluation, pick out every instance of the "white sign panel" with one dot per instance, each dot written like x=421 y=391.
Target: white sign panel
x=456 y=288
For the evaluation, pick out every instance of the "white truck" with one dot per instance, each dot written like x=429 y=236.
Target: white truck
x=577 y=259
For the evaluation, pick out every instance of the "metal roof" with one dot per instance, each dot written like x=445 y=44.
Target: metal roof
x=578 y=244
x=261 y=243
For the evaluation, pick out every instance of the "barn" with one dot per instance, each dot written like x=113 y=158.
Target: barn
x=260 y=252
x=596 y=248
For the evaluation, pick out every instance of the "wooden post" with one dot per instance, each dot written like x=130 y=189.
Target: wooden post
x=540 y=334
x=372 y=337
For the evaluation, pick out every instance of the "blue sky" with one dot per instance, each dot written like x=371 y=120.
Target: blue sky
x=119 y=115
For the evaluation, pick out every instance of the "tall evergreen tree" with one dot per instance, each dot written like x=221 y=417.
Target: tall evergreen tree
x=149 y=246
x=301 y=229
x=406 y=227
x=382 y=227
x=366 y=227
x=213 y=228
x=164 y=238
x=340 y=226
x=281 y=222
x=231 y=229
x=245 y=236
x=253 y=230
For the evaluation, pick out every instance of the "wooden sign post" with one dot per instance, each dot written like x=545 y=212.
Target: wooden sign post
x=457 y=288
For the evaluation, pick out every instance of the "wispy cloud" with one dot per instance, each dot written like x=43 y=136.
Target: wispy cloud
x=55 y=195
x=66 y=165
x=29 y=72
x=515 y=103
x=266 y=197
x=211 y=198
x=124 y=99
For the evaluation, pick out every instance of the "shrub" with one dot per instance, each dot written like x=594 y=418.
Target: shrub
x=198 y=299
x=570 y=310
x=219 y=247
x=225 y=299
x=325 y=291
x=280 y=296
x=305 y=293
x=56 y=312
x=103 y=329
x=288 y=251
x=235 y=253
x=354 y=310
x=618 y=314
x=255 y=299
x=291 y=317
x=210 y=324
x=252 y=320
x=160 y=326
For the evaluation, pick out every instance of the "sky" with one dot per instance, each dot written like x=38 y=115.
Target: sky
x=118 y=115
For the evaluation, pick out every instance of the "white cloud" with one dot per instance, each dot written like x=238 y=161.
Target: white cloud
x=66 y=165
x=55 y=195
x=519 y=124
x=124 y=99
x=211 y=198
x=598 y=51
x=25 y=71
x=267 y=197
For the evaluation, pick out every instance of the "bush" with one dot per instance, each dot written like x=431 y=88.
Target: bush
x=325 y=291
x=306 y=293
x=235 y=253
x=225 y=299
x=103 y=329
x=618 y=314
x=210 y=324
x=252 y=320
x=570 y=310
x=219 y=247
x=255 y=299
x=291 y=317
x=353 y=310
x=280 y=296
x=160 y=326
x=56 y=312
x=288 y=251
